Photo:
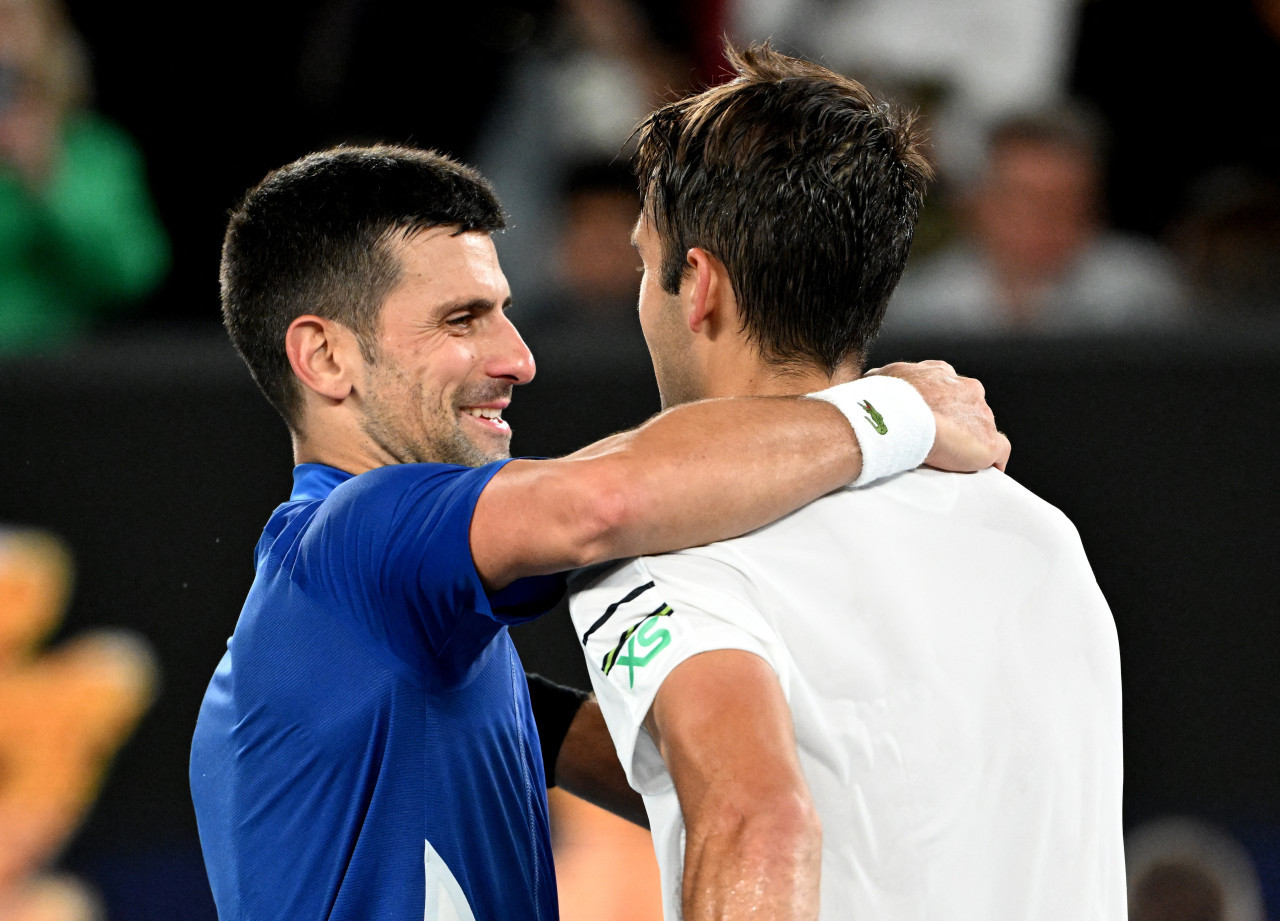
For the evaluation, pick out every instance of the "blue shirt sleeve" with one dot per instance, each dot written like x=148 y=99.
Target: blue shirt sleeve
x=396 y=551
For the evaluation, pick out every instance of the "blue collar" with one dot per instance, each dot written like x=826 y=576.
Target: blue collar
x=316 y=481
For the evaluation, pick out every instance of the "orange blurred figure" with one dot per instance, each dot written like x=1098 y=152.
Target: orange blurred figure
x=63 y=715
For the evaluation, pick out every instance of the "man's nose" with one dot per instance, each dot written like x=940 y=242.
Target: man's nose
x=511 y=358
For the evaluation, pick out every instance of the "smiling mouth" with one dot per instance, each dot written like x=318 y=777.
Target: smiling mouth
x=489 y=416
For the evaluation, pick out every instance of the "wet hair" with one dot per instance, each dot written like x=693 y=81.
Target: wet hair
x=315 y=237
x=803 y=184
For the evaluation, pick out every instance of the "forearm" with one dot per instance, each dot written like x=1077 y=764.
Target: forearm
x=697 y=473
x=716 y=469
x=763 y=865
x=588 y=767
x=577 y=754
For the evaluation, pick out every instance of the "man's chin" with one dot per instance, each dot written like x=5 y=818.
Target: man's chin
x=492 y=457
x=472 y=454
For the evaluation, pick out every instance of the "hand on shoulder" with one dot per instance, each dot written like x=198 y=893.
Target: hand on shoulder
x=967 y=438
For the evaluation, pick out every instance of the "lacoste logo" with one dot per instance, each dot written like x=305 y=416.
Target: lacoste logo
x=652 y=640
x=876 y=420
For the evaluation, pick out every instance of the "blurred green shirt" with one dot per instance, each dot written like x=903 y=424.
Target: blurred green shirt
x=86 y=244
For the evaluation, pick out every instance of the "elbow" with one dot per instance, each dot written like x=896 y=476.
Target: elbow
x=792 y=820
x=775 y=847
x=790 y=840
x=776 y=833
x=607 y=520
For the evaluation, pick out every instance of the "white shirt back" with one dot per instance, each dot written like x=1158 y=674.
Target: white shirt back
x=953 y=674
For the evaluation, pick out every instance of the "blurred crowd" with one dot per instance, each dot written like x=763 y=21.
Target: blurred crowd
x=79 y=237
x=1090 y=177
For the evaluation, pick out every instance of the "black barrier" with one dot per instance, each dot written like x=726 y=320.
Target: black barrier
x=158 y=462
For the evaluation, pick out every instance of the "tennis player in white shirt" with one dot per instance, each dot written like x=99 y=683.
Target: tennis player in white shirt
x=902 y=701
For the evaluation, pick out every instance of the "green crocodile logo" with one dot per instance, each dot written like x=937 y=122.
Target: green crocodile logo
x=876 y=420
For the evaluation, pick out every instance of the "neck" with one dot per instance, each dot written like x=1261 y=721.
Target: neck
x=345 y=449
x=760 y=379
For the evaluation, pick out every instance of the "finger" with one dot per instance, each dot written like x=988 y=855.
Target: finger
x=1003 y=450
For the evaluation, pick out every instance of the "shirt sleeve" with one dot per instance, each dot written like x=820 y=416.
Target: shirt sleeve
x=636 y=621
x=398 y=549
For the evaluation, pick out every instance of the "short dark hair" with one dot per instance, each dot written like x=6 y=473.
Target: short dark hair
x=803 y=184
x=314 y=237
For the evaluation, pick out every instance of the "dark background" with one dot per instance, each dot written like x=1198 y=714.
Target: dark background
x=218 y=95
x=159 y=462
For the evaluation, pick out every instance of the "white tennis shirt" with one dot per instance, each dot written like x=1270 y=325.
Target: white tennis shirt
x=954 y=678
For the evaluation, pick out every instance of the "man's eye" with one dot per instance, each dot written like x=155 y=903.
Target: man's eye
x=462 y=319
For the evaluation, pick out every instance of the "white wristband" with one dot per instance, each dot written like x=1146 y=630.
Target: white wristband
x=894 y=424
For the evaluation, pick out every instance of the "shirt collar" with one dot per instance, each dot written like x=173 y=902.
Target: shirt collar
x=316 y=481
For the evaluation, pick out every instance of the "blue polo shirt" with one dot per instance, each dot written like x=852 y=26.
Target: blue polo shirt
x=365 y=749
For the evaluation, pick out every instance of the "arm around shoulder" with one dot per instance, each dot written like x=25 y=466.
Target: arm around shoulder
x=694 y=474
x=702 y=472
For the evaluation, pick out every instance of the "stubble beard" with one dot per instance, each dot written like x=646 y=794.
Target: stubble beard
x=441 y=440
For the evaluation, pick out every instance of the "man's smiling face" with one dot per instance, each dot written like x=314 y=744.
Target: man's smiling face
x=447 y=356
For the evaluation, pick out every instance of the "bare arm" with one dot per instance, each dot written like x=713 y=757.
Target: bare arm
x=694 y=474
x=753 y=842
x=588 y=767
x=698 y=473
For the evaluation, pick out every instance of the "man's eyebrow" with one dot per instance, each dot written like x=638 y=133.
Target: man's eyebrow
x=473 y=304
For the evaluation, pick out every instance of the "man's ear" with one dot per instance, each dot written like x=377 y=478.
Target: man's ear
x=708 y=291
x=323 y=354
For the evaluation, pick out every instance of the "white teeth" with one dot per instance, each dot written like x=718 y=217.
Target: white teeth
x=484 y=412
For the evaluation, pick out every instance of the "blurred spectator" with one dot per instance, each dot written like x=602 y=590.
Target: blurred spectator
x=1036 y=255
x=1185 y=89
x=1228 y=243
x=589 y=311
x=1183 y=869
x=52 y=897
x=965 y=63
x=78 y=235
x=575 y=96
x=63 y=714
x=354 y=55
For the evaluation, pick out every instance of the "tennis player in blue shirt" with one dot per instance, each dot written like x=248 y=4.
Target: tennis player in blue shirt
x=366 y=748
